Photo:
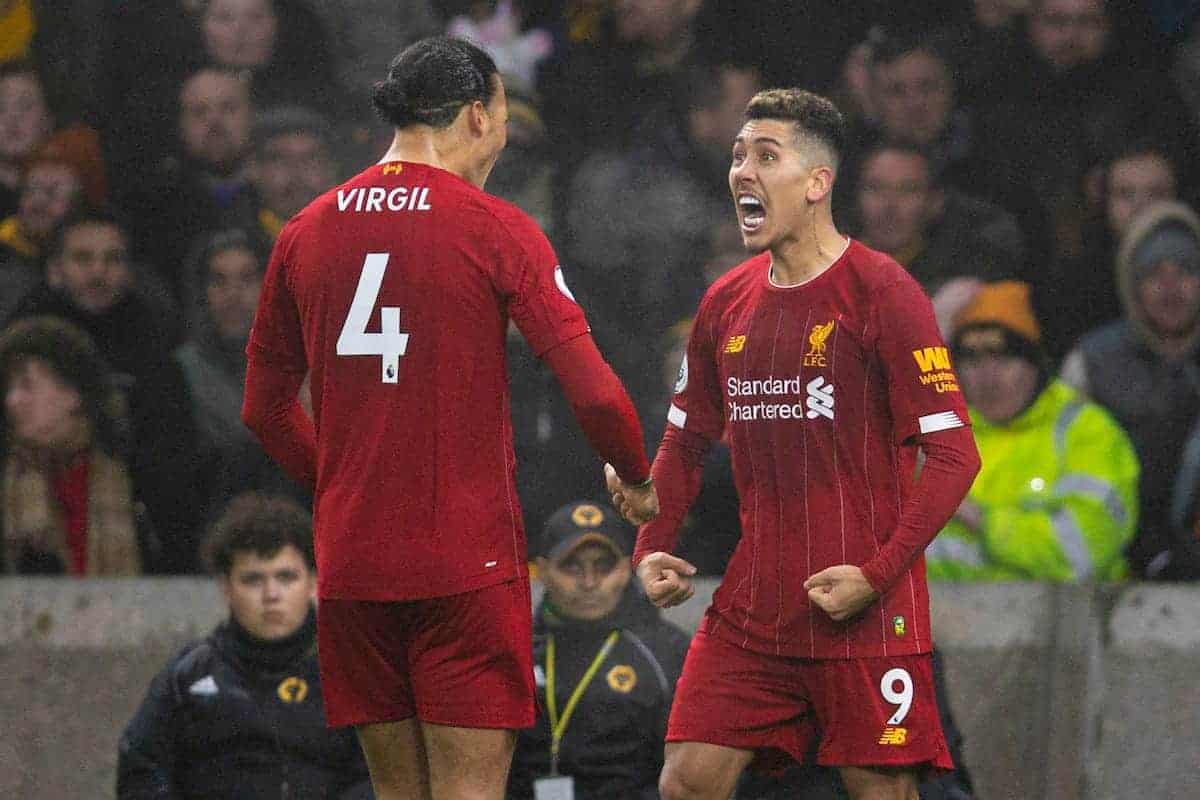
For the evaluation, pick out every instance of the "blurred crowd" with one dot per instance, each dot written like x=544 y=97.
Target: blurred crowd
x=1031 y=162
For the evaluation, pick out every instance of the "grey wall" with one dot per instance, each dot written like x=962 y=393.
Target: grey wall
x=1063 y=693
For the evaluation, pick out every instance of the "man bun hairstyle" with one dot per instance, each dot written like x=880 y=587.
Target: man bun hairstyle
x=259 y=524
x=816 y=118
x=431 y=80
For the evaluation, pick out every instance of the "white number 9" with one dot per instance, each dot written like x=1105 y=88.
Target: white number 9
x=903 y=698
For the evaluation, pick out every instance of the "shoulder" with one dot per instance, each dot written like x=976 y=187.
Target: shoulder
x=877 y=275
x=737 y=281
x=191 y=663
x=1084 y=417
x=1107 y=340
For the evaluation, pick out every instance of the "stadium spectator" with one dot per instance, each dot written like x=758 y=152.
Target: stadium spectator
x=904 y=212
x=912 y=82
x=663 y=197
x=363 y=43
x=606 y=663
x=1141 y=173
x=91 y=283
x=1185 y=512
x=52 y=186
x=225 y=276
x=599 y=93
x=281 y=44
x=499 y=28
x=56 y=40
x=25 y=121
x=240 y=713
x=290 y=164
x=188 y=193
x=66 y=170
x=1056 y=499
x=1143 y=367
x=1073 y=95
x=69 y=503
x=907 y=212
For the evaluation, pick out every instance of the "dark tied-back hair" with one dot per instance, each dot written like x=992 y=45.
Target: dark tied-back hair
x=431 y=80
x=815 y=117
x=259 y=524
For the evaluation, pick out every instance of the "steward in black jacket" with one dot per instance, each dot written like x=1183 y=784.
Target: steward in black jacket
x=236 y=717
x=613 y=743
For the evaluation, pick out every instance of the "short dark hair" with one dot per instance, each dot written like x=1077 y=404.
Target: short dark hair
x=83 y=214
x=76 y=360
x=431 y=80
x=1127 y=149
x=903 y=148
x=10 y=68
x=814 y=116
x=283 y=120
x=891 y=46
x=259 y=524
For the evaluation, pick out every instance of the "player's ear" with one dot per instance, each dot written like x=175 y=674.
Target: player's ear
x=820 y=183
x=477 y=117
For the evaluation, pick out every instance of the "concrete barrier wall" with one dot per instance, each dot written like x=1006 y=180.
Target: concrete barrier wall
x=1063 y=693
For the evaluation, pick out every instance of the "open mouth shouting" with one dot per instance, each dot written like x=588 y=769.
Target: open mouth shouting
x=751 y=211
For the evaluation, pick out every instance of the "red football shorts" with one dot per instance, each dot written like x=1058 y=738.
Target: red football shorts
x=464 y=660
x=865 y=712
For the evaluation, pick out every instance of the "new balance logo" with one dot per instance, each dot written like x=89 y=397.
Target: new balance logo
x=205 y=687
x=735 y=344
x=820 y=398
x=895 y=736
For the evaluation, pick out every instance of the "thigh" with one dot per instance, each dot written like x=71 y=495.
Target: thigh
x=700 y=769
x=471 y=660
x=873 y=783
x=363 y=653
x=729 y=696
x=468 y=762
x=395 y=754
x=878 y=712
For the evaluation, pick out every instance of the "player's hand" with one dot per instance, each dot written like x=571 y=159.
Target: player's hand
x=636 y=504
x=667 y=579
x=841 y=592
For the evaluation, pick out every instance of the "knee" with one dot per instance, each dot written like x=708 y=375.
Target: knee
x=677 y=783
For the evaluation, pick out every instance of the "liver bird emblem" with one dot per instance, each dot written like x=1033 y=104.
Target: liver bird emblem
x=818 y=336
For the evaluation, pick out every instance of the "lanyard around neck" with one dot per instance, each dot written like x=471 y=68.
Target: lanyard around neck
x=558 y=725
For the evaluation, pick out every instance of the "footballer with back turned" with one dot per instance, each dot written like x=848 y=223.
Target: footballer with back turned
x=820 y=362
x=395 y=291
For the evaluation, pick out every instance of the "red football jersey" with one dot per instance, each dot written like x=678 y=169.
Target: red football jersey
x=816 y=388
x=395 y=289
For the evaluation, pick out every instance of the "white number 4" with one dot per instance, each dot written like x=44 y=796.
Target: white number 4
x=389 y=343
x=903 y=698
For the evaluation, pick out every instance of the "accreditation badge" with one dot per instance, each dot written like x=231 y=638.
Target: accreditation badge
x=560 y=788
